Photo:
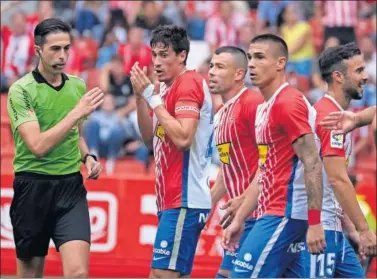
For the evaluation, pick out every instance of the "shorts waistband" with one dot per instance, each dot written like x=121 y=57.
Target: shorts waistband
x=34 y=175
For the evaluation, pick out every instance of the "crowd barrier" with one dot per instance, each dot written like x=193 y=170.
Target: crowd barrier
x=124 y=223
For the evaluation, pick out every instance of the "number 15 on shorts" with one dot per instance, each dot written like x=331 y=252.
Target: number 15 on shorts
x=322 y=265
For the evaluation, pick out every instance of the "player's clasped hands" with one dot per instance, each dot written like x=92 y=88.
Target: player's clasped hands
x=315 y=239
x=139 y=79
x=368 y=246
x=230 y=208
x=90 y=102
x=232 y=235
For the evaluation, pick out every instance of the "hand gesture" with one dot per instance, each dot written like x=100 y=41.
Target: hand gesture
x=139 y=79
x=315 y=239
x=230 y=208
x=232 y=235
x=93 y=167
x=341 y=122
x=90 y=102
x=367 y=245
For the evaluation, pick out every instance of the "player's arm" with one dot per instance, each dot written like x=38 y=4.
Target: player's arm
x=218 y=190
x=82 y=142
x=23 y=119
x=144 y=120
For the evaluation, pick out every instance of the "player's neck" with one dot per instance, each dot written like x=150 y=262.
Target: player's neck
x=170 y=82
x=342 y=99
x=53 y=79
x=231 y=93
x=269 y=90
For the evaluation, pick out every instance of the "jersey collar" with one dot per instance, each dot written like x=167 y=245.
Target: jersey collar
x=285 y=84
x=233 y=99
x=334 y=101
x=40 y=79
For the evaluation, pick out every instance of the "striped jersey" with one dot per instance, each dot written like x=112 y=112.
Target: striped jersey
x=285 y=117
x=331 y=145
x=235 y=141
x=182 y=177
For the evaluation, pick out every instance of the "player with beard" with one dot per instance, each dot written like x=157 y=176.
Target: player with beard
x=343 y=68
x=234 y=136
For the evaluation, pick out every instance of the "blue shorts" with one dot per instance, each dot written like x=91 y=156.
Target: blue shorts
x=230 y=257
x=273 y=248
x=338 y=261
x=177 y=237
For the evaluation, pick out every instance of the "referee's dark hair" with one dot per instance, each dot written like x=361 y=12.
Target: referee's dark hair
x=238 y=54
x=278 y=41
x=48 y=26
x=332 y=60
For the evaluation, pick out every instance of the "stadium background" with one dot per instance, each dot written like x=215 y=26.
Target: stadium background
x=109 y=36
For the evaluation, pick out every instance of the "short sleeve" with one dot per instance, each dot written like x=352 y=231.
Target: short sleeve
x=294 y=118
x=190 y=98
x=20 y=107
x=331 y=144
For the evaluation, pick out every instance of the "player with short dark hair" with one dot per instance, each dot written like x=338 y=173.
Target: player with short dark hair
x=234 y=137
x=290 y=180
x=343 y=67
x=47 y=108
x=180 y=131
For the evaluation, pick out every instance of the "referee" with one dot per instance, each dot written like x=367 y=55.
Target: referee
x=47 y=108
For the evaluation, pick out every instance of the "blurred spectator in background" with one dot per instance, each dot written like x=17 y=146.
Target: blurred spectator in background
x=87 y=16
x=340 y=19
x=368 y=48
x=45 y=10
x=268 y=12
x=197 y=14
x=17 y=49
x=135 y=50
x=298 y=36
x=130 y=8
x=103 y=133
x=150 y=19
x=319 y=86
x=174 y=11
x=220 y=28
x=108 y=48
x=118 y=25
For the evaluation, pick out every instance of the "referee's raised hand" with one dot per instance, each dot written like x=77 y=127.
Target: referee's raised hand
x=90 y=101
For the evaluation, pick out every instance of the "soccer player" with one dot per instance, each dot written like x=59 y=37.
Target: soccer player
x=343 y=68
x=47 y=109
x=234 y=134
x=288 y=161
x=343 y=122
x=181 y=132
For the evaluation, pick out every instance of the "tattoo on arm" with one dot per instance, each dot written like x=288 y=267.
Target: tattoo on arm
x=306 y=150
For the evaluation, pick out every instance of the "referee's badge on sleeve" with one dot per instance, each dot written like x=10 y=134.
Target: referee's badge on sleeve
x=336 y=140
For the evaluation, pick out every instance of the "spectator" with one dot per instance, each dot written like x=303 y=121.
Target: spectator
x=174 y=10
x=130 y=9
x=18 y=49
x=220 y=29
x=150 y=19
x=118 y=25
x=108 y=49
x=267 y=14
x=135 y=50
x=368 y=48
x=87 y=17
x=298 y=36
x=340 y=19
x=318 y=84
x=103 y=133
x=45 y=10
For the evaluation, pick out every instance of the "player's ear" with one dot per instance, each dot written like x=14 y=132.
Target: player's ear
x=281 y=63
x=182 y=56
x=240 y=74
x=337 y=76
x=37 y=50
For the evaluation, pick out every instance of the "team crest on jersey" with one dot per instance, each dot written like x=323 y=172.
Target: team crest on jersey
x=262 y=150
x=224 y=149
x=160 y=133
x=336 y=140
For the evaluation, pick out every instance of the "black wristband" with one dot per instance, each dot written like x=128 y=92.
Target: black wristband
x=86 y=157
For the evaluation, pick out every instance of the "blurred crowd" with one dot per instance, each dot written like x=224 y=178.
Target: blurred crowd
x=110 y=36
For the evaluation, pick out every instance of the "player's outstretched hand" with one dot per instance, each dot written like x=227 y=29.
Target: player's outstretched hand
x=90 y=102
x=232 y=235
x=93 y=168
x=315 y=239
x=230 y=208
x=340 y=121
x=139 y=79
x=368 y=243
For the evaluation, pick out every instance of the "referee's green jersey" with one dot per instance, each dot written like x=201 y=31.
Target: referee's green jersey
x=32 y=98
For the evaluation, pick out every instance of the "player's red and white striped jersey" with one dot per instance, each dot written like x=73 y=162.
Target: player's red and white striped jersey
x=235 y=141
x=285 y=117
x=182 y=177
x=331 y=145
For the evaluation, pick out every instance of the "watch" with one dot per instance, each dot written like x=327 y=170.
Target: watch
x=86 y=157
